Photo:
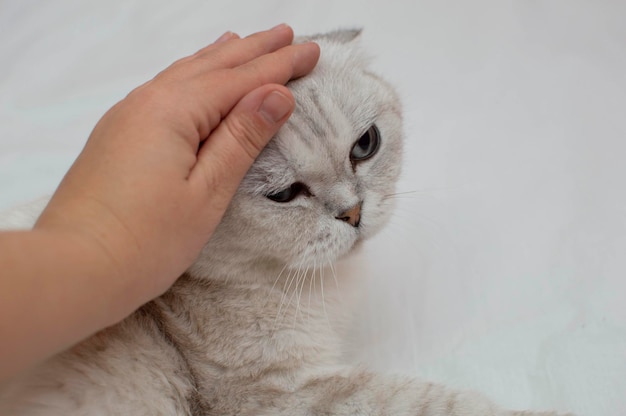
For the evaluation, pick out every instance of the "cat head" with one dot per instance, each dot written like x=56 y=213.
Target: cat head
x=323 y=182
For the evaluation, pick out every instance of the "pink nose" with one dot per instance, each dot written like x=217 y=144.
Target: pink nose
x=352 y=216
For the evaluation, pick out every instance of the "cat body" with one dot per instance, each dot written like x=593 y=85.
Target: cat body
x=254 y=327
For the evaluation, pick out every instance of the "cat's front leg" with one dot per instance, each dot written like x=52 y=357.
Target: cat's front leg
x=363 y=393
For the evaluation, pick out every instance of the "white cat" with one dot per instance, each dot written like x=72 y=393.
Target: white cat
x=254 y=327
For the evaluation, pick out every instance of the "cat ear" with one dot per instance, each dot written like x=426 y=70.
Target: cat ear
x=342 y=36
x=338 y=36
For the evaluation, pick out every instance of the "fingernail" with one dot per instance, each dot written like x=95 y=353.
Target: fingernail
x=275 y=107
x=224 y=37
x=280 y=26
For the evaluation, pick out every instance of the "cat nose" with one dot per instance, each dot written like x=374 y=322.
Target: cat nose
x=352 y=216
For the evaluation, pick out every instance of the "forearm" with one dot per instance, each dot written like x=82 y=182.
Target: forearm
x=55 y=289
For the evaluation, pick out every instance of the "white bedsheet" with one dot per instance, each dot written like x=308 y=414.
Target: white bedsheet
x=503 y=269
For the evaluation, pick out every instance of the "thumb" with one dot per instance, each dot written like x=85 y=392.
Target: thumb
x=232 y=147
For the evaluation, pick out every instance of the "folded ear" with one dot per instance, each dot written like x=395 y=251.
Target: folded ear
x=337 y=36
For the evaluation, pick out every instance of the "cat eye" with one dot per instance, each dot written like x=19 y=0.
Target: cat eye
x=366 y=146
x=288 y=194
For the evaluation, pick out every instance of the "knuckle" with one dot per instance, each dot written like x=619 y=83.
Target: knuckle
x=273 y=67
x=248 y=132
x=150 y=94
x=211 y=55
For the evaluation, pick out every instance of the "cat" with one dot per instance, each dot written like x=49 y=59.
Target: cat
x=254 y=326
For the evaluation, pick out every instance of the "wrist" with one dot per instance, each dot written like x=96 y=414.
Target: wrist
x=94 y=283
x=54 y=277
x=99 y=265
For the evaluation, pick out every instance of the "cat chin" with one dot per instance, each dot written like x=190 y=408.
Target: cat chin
x=356 y=249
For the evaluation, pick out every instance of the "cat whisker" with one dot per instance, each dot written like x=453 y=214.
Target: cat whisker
x=300 y=274
x=399 y=193
x=311 y=281
x=274 y=285
x=332 y=269
x=299 y=294
x=286 y=287
x=322 y=293
x=398 y=197
x=321 y=274
x=415 y=193
x=304 y=279
x=282 y=299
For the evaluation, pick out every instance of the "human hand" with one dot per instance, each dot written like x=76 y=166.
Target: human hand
x=140 y=193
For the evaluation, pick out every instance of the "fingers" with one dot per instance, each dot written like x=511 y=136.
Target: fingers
x=275 y=68
x=222 y=39
x=226 y=36
x=229 y=52
x=209 y=93
x=207 y=49
x=287 y=63
x=231 y=149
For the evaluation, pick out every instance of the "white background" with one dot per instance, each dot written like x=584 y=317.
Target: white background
x=505 y=270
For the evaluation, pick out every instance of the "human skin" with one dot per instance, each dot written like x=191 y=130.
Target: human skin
x=145 y=194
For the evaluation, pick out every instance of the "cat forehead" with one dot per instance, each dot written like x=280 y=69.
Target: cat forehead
x=335 y=105
x=340 y=99
x=310 y=147
x=333 y=109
